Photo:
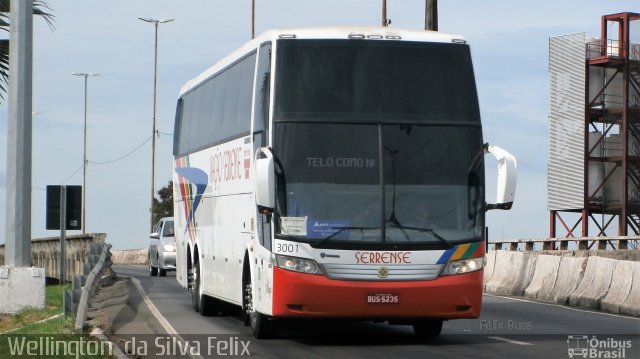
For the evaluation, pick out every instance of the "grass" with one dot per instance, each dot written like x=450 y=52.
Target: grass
x=27 y=325
x=25 y=318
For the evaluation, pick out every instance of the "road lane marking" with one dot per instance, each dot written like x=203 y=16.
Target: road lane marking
x=517 y=342
x=156 y=313
x=152 y=308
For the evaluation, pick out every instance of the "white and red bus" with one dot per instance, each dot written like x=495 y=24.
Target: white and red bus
x=335 y=173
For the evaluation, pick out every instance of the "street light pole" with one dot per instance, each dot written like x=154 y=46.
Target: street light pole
x=431 y=15
x=385 y=20
x=84 y=150
x=153 y=133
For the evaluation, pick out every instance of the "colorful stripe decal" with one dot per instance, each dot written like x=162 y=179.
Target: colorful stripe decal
x=192 y=183
x=462 y=251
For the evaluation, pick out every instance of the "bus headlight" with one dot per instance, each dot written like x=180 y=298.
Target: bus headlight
x=295 y=264
x=464 y=266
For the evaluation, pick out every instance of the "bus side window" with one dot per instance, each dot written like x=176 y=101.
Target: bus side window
x=262 y=95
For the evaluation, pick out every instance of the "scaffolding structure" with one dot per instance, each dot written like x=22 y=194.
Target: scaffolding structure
x=611 y=139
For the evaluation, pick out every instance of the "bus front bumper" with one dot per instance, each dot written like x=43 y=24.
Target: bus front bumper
x=316 y=296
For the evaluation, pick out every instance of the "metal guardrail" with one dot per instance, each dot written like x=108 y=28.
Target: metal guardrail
x=78 y=299
x=581 y=243
x=612 y=48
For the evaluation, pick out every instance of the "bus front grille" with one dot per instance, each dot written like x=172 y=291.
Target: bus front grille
x=382 y=272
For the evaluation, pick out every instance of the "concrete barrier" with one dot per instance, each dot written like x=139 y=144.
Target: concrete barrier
x=594 y=284
x=489 y=266
x=621 y=281
x=631 y=305
x=544 y=277
x=45 y=253
x=570 y=273
x=512 y=273
x=130 y=256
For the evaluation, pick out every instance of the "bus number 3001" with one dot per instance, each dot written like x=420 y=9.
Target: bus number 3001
x=286 y=248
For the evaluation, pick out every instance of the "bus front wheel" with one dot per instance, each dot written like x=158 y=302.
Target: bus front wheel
x=262 y=326
x=428 y=328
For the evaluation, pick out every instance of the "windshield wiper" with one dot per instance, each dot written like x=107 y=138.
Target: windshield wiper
x=340 y=230
x=428 y=230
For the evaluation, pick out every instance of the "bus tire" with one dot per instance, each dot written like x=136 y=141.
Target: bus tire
x=262 y=326
x=428 y=328
x=195 y=287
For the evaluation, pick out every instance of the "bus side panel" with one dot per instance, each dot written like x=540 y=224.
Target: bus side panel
x=230 y=234
x=217 y=190
x=262 y=279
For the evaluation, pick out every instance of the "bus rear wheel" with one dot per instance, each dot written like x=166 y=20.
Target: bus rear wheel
x=262 y=326
x=195 y=287
x=207 y=306
x=428 y=328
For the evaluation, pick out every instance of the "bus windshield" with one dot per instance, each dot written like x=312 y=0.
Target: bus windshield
x=379 y=184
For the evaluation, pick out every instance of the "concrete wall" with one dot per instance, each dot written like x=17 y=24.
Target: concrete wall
x=577 y=278
x=45 y=253
x=130 y=256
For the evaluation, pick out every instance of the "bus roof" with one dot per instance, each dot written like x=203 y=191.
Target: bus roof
x=340 y=32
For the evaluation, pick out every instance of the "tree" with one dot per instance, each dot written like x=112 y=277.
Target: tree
x=40 y=8
x=164 y=206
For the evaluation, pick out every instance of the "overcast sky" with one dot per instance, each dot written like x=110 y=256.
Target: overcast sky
x=509 y=42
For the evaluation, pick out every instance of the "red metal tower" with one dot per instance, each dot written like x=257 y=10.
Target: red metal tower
x=611 y=133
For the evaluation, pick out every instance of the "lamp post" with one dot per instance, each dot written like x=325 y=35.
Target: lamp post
x=431 y=15
x=84 y=151
x=156 y=22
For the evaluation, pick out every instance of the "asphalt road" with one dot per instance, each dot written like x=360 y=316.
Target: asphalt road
x=508 y=328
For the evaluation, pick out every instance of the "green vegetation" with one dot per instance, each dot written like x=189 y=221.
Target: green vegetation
x=40 y=8
x=25 y=318
x=28 y=333
x=163 y=207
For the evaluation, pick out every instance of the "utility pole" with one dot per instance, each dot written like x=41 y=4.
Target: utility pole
x=19 y=135
x=431 y=15
x=253 y=19
x=84 y=151
x=385 y=21
x=156 y=22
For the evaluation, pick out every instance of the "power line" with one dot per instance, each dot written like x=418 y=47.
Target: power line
x=99 y=163
x=74 y=173
x=124 y=156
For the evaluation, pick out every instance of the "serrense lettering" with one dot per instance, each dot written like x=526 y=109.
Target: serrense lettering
x=383 y=257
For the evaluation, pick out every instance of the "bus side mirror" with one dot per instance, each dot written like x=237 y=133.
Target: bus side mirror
x=265 y=181
x=506 y=177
